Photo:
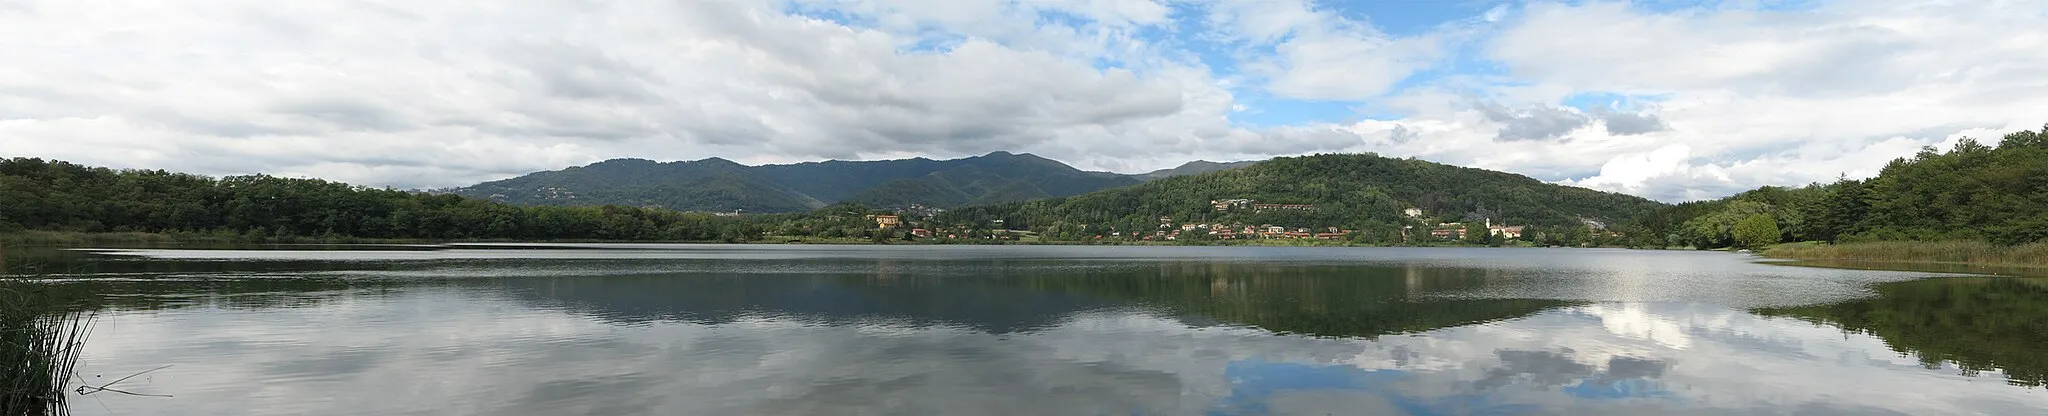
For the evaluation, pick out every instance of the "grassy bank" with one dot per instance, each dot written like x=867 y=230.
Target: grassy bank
x=40 y=339
x=1935 y=252
x=54 y=238
x=69 y=238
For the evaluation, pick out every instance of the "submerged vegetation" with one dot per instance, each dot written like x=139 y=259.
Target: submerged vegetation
x=40 y=339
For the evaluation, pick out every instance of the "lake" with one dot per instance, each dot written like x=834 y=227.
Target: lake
x=630 y=329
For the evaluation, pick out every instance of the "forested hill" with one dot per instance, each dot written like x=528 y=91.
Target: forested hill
x=721 y=185
x=1347 y=190
x=49 y=195
x=1971 y=192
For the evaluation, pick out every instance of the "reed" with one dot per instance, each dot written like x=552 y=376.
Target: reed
x=40 y=339
x=68 y=238
x=44 y=238
x=1948 y=252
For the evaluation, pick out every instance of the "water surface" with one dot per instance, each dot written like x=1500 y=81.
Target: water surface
x=726 y=329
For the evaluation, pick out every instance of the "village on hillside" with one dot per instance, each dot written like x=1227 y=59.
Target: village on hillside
x=1442 y=231
x=1170 y=229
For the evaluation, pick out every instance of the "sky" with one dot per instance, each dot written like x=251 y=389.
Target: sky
x=1671 y=100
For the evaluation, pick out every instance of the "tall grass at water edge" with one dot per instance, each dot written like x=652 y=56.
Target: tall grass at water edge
x=1949 y=252
x=40 y=339
x=38 y=238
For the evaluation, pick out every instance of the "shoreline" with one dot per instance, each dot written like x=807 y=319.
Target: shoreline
x=2030 y=260
x=37 y=238
x=1937 y=257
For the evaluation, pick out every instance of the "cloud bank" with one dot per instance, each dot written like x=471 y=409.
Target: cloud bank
x=1671 y=103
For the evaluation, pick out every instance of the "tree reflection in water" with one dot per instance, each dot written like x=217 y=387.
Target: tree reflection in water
x=1979 y=324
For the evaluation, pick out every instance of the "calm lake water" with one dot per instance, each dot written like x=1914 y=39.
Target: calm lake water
x=612 y=329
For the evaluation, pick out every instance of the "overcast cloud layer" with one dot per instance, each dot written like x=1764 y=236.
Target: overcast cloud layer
x=1669 y=102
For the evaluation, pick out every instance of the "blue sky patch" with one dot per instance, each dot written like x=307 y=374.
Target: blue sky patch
x=1672 y=6
x=1403 y=18
x=1264 y=110
x=1591 y=101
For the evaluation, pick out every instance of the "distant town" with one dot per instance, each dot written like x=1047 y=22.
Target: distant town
x=1170 y=229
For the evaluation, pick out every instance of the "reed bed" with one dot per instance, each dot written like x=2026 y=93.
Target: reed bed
x=1949 y=252
x=41 y=238
x=67 y=238
x=40 y=339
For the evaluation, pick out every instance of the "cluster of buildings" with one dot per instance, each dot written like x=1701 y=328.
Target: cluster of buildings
x=546 y=192
x=1267 y=231
x=553 y=192
x=1169 y=232
x=886 y=221
x=921 y=210
x=1242 y=204
x=1457 y=230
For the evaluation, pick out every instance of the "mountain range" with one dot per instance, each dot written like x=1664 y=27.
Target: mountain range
x=720 y=185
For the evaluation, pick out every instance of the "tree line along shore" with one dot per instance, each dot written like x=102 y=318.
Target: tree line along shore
x=1972 y=203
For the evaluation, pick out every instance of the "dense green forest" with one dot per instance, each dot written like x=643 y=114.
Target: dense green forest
x=1348 y=190
x=1351 y=191
x=61 y=196
x=1972 y=192
x=963 y=186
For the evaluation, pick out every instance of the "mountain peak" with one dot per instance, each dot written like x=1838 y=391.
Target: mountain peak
x=1003 y=155
x=623 y=161
x=1195 y=168
x=717 y=161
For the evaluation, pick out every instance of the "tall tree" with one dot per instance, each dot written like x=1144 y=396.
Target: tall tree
x=1756 y=231
x=1972 y=191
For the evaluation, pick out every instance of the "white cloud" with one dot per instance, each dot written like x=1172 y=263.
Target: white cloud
x=450 y=93
x=1349 y=66
x=1635 y=169
x=1319 y=54
x=575 y=356
x=440 y=94
x=1787 y=97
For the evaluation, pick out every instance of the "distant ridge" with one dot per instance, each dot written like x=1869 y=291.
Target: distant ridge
x=1195 y=168
x=720 y=185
